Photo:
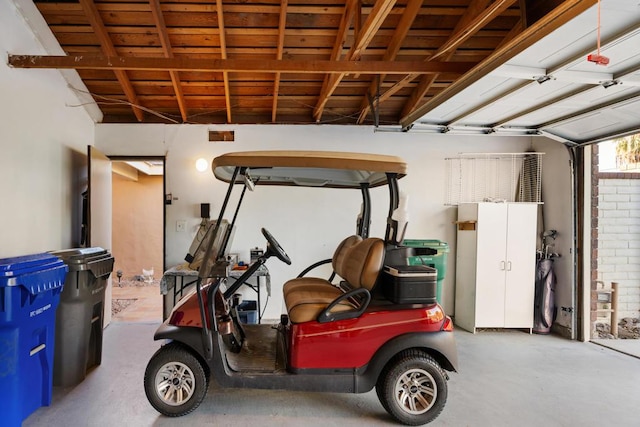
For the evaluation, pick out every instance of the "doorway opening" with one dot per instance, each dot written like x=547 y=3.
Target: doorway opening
x=615 y=298
x=137 y=239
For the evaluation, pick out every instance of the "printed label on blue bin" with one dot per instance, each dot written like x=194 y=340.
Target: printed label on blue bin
x=40 y=310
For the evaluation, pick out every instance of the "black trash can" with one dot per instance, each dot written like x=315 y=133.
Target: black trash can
x=79 y=319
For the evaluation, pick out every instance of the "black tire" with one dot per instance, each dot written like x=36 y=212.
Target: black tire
x=175 y=382
x=413 y=388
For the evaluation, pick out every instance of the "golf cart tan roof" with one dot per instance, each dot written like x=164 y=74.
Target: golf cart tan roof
x=310 y=168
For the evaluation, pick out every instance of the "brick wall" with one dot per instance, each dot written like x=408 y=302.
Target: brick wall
x=618 y=237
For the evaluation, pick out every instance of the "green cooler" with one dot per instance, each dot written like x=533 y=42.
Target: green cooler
x=432 y=253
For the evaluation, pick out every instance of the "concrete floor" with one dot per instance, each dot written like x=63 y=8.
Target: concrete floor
x=506 y=379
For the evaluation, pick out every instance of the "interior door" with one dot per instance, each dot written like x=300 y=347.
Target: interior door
x=99 y=213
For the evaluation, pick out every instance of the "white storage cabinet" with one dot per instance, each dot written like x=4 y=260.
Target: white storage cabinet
x=495 y=265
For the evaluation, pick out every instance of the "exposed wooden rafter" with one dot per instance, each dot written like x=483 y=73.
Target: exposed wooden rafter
x=223 y=55
x=84 y=62
x=284 y=61
x=378 y=14
x=158 y=17
x=93 y=15
x=276 y=85
x=568 y=10
x=350 y=10
x=410 y=12
x=476 y=16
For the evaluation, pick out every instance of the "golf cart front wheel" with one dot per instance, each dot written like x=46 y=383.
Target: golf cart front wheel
x=175 y=382
x=413 y=388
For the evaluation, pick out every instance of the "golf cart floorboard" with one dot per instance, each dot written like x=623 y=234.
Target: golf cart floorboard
x=259 y=351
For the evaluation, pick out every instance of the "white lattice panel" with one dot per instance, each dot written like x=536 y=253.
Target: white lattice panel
x=509 y=177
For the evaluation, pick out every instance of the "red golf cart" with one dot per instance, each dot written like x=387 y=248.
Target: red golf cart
x=374 y=322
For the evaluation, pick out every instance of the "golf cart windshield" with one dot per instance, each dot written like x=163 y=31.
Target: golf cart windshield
x=305 y=169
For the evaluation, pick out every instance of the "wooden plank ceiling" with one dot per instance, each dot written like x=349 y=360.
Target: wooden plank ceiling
x=273 y=61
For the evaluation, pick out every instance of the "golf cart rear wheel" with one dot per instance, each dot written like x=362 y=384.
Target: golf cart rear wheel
x=175 y=382
x=413 y=388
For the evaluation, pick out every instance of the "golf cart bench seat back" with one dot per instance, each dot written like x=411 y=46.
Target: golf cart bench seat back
x=337 y=262
x=357 y=261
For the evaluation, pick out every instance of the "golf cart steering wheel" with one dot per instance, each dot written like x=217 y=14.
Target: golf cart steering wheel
x=274 y=248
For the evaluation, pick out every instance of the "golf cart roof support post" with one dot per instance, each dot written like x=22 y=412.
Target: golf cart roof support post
x=394 y=200
x=365 y=221
x=207 y=341
x=235 y=215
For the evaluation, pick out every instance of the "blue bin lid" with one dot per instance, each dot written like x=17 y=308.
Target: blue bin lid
x=11 y=267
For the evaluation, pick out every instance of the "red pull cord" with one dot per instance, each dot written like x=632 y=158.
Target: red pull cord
x=598 y=37
x=597 y=58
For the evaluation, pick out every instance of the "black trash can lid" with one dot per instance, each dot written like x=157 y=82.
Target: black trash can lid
x=81 y=258
x=81 y=255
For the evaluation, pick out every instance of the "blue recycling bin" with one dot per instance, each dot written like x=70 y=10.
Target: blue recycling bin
x=248 y=312
x=30 y=288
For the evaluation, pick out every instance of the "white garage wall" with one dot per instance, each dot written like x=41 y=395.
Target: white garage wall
x=43 y=144
x=309 y=223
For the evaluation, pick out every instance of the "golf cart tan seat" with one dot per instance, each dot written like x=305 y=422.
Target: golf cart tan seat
x=359 y=262
x=337 y=262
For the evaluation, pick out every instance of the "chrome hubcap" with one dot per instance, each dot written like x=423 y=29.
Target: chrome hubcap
x=416 y=391
x=175 y=383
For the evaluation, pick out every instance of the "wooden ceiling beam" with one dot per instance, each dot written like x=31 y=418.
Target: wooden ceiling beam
x=93 y=15
x=410 y=12
x=85 y=62
x=477 y=15
x=374 y=21
x=486 y=16
x=223 y=55
x=345 y=24
x=158 y=17
x=282 y=23
x=380 y=11
x=553 y=20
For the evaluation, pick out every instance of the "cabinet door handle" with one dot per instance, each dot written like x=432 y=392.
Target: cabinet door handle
x=508 y=265
x=502 y=265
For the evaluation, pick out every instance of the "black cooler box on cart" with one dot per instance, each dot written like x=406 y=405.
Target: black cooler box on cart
x=410 y=284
